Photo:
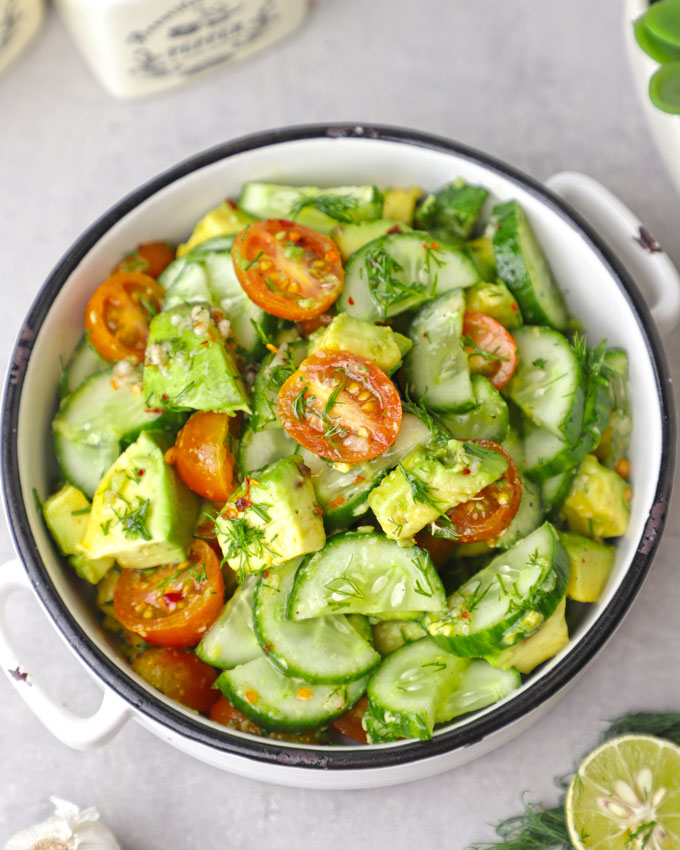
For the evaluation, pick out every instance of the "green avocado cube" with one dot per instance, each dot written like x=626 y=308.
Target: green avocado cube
x=378 y=344
x=598 y=504
x=496 y=300
x=590 y=562
x=187 y=365
x=552 y=636
x=66 y=515
x=428 y=483
x=271 y=518
x=142 y=514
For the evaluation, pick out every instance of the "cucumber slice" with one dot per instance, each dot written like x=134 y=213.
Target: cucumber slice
x=186 y=281
x=318 y=208
x=547 y=455
x=555 y=490
x=506 y=601
x=409 y=690
x=362 y=572
x=527 y=519
x=343 y=495
x=520 y=264
x=615 y=443
x=479 y=686
x=327 y=650
x=489 y=420
x=274 y=370
x=280 y=703
x=548 y=385
x=93 y=422
x=455 y=208
x=350 y=237
x=437 y=366
x=389 y=635
x=400 y=272
x=83 y=363
x=260 y=448
x=231 y=640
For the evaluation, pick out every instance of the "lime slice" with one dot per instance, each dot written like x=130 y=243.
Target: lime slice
x=626 y=796
x=664 y=88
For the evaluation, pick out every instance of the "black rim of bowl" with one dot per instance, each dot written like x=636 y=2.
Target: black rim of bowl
x=262 y=750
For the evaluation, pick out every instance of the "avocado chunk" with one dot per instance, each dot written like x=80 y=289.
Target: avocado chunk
x=496 y=300
x=377 y=343
x=142 y=514
x=455 y=208
x=389 y=635
x=590 y=563
x=427 y=483
x=481 y=251
x=271 y=518
x=225 y=220
x=538 y=647
x=66 y=515
x=400 y=204
x=349 y=237
x=188 y=367
x=598 y=503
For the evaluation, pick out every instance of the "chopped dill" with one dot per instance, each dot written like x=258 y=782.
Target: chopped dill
x=339 y=207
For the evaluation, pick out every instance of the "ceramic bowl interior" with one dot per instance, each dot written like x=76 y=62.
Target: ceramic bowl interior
x=167 y=209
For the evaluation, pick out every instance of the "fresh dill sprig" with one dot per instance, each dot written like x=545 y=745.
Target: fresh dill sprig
x=242 y=541
x=261 y=334
x=591 y=359
x=196 y=572
x=134 y=520
x=339 y=207
x=384 y=284
x=418 y=409
x=661 y=725
x=300 y=404
x=468 y=342
x=420 y=492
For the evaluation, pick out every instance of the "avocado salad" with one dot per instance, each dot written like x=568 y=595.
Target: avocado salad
x=339 y=465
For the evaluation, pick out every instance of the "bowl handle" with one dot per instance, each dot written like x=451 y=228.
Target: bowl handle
x=634 y=244
x=72 y=730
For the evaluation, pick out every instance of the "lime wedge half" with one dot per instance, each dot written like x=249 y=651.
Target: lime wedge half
x=626 y=796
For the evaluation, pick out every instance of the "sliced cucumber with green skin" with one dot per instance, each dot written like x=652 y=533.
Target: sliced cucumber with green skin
x=92 y=422
x=215 y=243
x=506 y=601
x=400 y=272
x=616 y=446
x=230 y=640
x=455 y=208
x=281 y=703
x=343 y=495
x=522 y=267
x=326 y=650
x=436 y=367
x=274 y=370
x=362 y=572
x=548 y=385
x=350 y=237
x=83 y=363
x=479 y=686
x=547 y=455
x=318 y=208
x=260 y=448
x=487 y=421
x=555 y=490
x=207 y=276
x=409 y=690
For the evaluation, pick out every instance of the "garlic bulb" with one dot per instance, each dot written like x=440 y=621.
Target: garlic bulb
x=67 y=829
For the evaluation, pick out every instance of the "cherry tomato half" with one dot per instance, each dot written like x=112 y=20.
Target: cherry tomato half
x=179 y=675
x=172 y=605
x=349 y=723
x=287 y=269
x=491 y=350
x=224 y=713
x=202 y=456
x=341 y=407
x=117 y=315
x=491 y=511
x=150 y=258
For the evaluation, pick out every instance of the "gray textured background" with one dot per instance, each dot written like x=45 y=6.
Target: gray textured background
x=543 y=86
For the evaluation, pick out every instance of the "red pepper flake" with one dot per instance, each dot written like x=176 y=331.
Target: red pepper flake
x=230 y=202
x=242 y=503
x=265 y=574
x=251 y=696
x=359 y=479
x=464 y=615
x=515 y=306
x=434 y=245
x=164 y=396
x=350 y=301
x=140 y=472
x=267 y=647
x=339 y=500
x=395 y=229
x=172 y=597
x=318 y=511
x=229 y=511
x=467 y=472
x=154 y=410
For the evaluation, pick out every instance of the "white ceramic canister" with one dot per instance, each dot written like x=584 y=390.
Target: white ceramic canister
x=138 y=47
x=19 y=22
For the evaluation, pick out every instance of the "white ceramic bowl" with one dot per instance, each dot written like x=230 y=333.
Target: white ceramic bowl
x=665 y=128
x=597 y=290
